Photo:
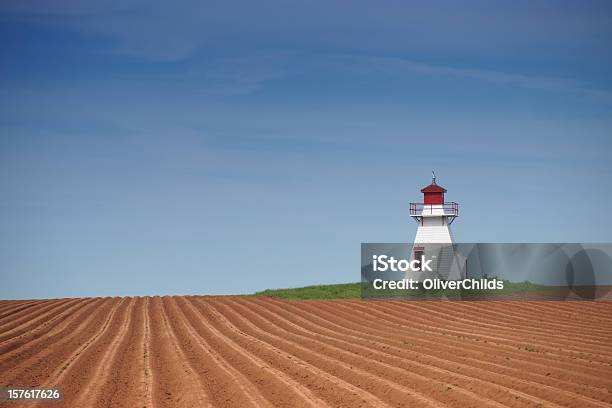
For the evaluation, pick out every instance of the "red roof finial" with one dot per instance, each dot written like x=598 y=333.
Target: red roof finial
x=433 y=177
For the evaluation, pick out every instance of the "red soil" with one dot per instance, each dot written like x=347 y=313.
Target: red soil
x=240 y=352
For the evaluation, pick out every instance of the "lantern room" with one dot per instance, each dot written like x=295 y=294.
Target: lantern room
x=433 y=193
x=433 y=204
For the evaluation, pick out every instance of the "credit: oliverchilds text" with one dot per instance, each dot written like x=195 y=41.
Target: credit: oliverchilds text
x=434 y=283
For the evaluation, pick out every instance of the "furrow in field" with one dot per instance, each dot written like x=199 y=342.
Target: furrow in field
x=553 y=312
x=228 y=386
x=18 y=316
x=284 y=330
x=263 y=352
x=146 y=373
x=327 y=388
x=17 y=319
x=592 y=312
x=278 y=388
x=430 y=379
x=466 y=314
x=8 y=306
x=32 y=323
x=494 y=331
x=588 y=319
x=78 y=369
x=459 y=375
x=425 y=344
x=522 y=352
x=536 y=350
x=587 y=357
x=22 y=339
x=345 y=367
x=98 y=364
x=177 y=384
x=14 y=309
x=508 y=313
x=34 y=364
x=38 y=347
x=124 y=385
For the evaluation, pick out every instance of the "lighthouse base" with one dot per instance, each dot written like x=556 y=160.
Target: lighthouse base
x=447 y=263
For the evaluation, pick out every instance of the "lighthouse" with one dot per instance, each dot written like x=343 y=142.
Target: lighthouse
x=434 y=238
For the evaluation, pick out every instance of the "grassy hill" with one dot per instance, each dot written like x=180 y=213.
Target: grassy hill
x=339 y=291
x=353 y=291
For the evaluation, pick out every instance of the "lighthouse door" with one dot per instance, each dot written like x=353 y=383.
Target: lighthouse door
x=418 y=254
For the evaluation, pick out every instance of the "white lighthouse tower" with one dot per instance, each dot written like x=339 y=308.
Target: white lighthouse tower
x=434 y=238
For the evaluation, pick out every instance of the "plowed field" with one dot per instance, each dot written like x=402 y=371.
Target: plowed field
x=243 y=351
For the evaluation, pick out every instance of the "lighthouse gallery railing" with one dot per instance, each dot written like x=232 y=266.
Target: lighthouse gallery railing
x=450 y=208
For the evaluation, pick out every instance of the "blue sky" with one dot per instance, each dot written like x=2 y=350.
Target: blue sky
x=227 y=147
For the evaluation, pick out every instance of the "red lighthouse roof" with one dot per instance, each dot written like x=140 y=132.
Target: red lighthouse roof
x=433 y=187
